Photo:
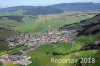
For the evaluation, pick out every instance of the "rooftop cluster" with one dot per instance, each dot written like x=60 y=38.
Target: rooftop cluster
x=15 y=59
x=39 y=39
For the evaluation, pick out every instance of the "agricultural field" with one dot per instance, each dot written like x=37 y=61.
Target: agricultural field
x=40 y=55
x=50 y=22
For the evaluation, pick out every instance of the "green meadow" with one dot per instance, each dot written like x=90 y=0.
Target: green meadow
x=41 y=58
x=50 y=22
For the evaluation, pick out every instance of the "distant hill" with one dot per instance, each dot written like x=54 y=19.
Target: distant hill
x=91 y=26
x=30 y=10
x=78 y=6
x=53 y=9
x=85 y=27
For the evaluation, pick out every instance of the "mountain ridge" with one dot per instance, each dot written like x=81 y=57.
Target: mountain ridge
x=85 y=27
x=78 y=6
x=53 y=9
x=31 y=10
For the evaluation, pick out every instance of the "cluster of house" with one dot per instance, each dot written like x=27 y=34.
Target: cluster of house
x=39 y=39
x=34 y=41
x=15 y=59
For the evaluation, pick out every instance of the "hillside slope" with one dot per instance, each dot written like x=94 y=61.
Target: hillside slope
x=52 y=9
x=78 y=6
x=85 y=27
x=30 y=10
x=4 y=34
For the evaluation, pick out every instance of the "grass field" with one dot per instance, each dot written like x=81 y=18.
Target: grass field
x=50 y=22
x=37 y=24
x=40 y=58
x=10 y=64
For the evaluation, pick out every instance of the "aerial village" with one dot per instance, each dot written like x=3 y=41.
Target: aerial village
x=39 y=39
x=33 y=41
